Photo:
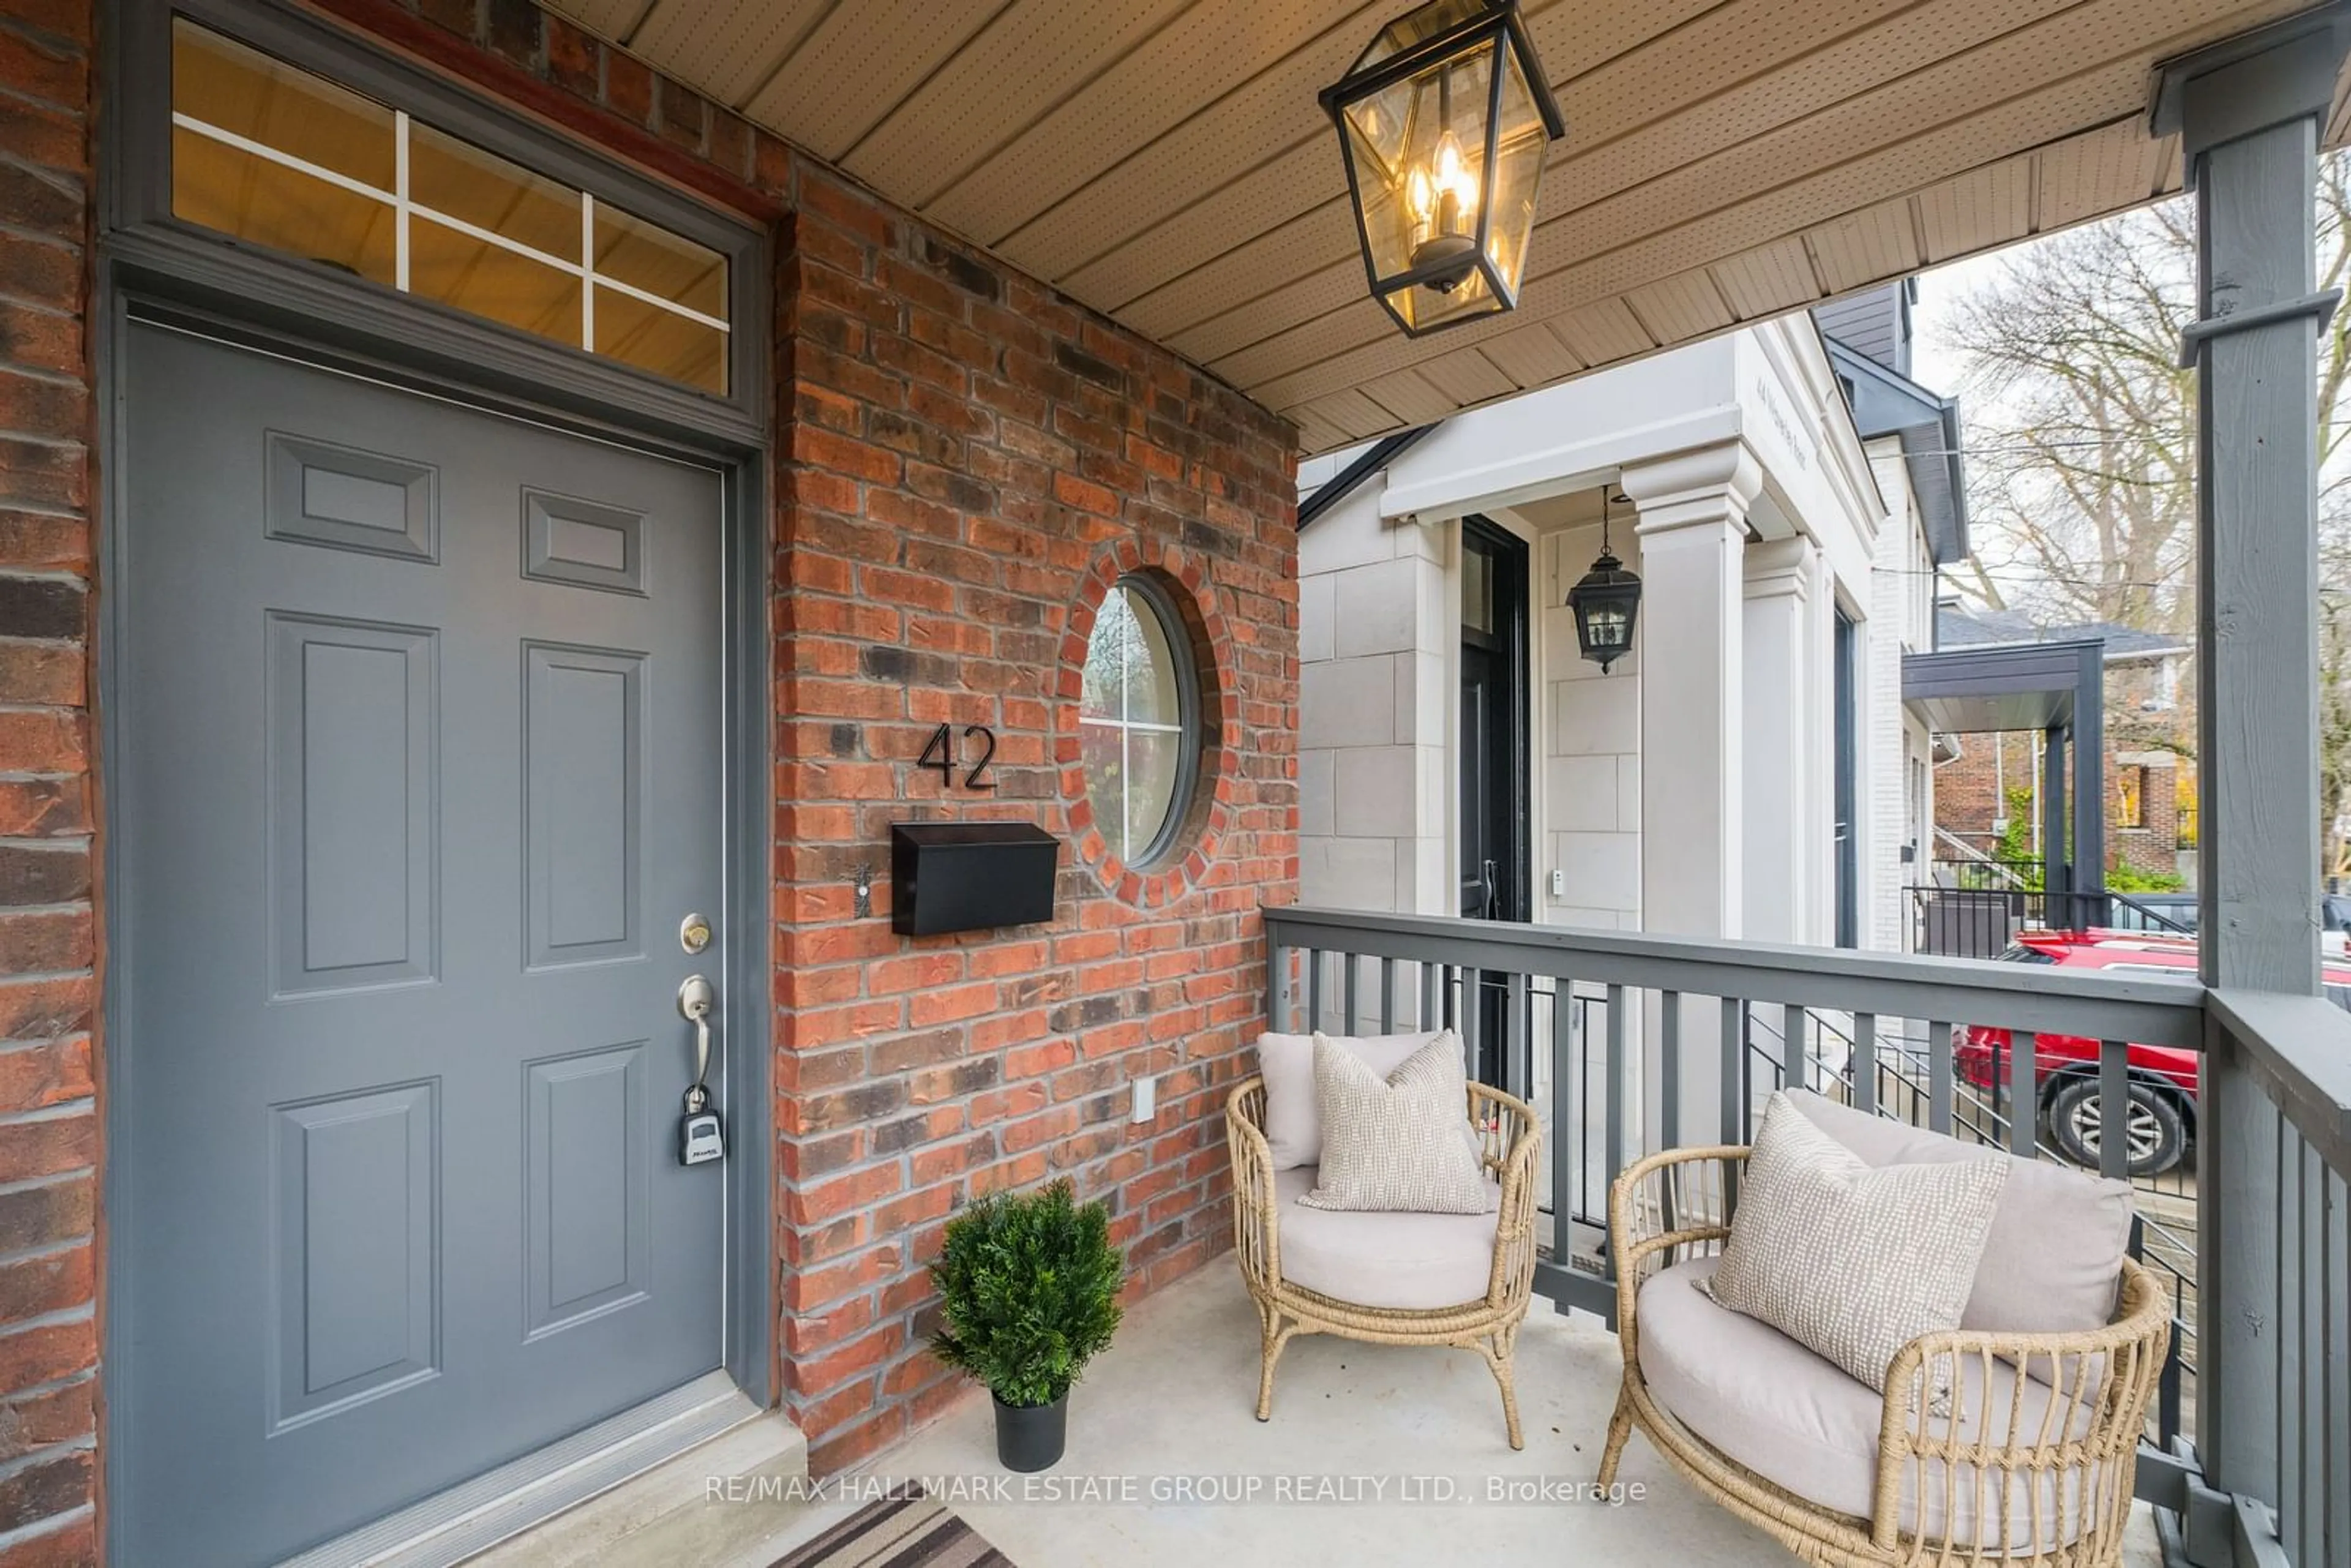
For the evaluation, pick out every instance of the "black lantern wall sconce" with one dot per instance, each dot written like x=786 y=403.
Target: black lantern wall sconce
x=1606 y=602
x=1445 y=122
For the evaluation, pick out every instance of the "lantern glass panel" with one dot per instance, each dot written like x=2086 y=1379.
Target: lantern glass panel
x=1375 y=133
x=1415 y=26
x=1521 y=147
x=1419 y=147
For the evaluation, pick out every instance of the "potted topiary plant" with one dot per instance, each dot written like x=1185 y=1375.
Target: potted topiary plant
x=1029 y=1286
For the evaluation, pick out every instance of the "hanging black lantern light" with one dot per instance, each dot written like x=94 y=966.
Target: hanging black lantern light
x=1606 y=602
x=1446 y=121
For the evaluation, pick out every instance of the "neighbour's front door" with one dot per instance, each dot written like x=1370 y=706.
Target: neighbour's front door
x=421 y=757
x=1494 y=851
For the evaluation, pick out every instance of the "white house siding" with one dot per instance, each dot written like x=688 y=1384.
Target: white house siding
x=1588 y=730
x=1900 y=621
x=1380 y=633
x=1373 y=732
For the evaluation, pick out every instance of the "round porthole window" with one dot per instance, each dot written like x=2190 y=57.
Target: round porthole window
x=1138 y=720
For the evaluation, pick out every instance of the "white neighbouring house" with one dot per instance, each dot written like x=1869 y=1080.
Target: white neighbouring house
x=1786 y=494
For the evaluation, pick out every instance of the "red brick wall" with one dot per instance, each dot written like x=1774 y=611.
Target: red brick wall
x=964 y=462
x=1968 y=795
x=48 y=1124
x=2153 y=846
x=971 y=460
x=1968 y=799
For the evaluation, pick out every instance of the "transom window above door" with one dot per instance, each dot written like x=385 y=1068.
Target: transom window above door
x=281 y=158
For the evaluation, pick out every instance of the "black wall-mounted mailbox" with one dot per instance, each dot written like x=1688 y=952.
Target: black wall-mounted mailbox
x=969 y=876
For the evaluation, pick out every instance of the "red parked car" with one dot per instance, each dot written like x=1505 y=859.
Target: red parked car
x=2162 y=1078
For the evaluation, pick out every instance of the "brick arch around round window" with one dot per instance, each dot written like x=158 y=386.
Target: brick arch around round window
x=1183 y=577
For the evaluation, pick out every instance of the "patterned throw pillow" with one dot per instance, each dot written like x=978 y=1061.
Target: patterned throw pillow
x=1850 y=1260
x=1397 y=1143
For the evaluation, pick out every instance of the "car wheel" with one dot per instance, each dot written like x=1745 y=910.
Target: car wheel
x=2156 y=1132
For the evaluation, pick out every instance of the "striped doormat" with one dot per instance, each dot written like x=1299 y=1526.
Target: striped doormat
x=910 y=1532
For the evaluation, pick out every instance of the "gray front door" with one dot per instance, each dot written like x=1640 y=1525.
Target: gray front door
x=420 y=769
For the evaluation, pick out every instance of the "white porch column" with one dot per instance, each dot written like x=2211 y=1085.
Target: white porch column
x=1692 y=522
x=1692 y=512
x=1778 y=719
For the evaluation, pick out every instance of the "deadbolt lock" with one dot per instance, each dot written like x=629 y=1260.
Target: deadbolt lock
x=693 y=933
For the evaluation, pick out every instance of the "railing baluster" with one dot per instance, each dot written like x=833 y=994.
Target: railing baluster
x=1388 y=997
x=1669 y=1072
x=2311 y=1320
x=1518 y=1066
x=1795 y=1055
x=2024 y=1090
x=1565 y=1154
x=1938 y=1077
x=1734 y=1071
x=2335 y=1289
x=1277 y=987
x=1349 y=976
x=2285 y=1307
x=1432 y=993
x=1473 y=1023
x=2114 y=1110
x=1864 y=1063
x=1313 y=990
x=1616 y=1082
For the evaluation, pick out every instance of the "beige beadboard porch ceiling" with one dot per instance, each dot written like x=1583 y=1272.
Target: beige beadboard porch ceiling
x=1166 y=161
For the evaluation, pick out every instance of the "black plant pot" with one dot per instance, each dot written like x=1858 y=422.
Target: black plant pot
x=1030 y=1436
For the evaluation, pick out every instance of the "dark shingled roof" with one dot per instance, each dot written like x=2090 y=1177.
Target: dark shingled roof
x=1969 y=626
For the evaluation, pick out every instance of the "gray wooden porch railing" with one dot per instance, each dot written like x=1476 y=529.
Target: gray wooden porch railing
x=1682 y=1060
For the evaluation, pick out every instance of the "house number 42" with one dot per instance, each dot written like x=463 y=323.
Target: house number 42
x=940 y=754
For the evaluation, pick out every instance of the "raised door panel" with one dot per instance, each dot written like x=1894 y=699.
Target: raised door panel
x=354 y=823
x=586 y=1178
x=582 y=544
x=321 y=493
x=356 y=1250
x=583 y=767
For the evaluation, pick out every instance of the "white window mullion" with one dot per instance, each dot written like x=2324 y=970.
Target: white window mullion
x=400 y=200
x=1125 y=732
x=562 y=263
x=269 y=154
x=672 y=306
x=587 y=271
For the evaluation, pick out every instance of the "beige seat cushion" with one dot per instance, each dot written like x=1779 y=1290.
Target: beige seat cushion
x=1404 y=1262
x=1293 y=1123
x=1794 y=1419
x=2053 y=1261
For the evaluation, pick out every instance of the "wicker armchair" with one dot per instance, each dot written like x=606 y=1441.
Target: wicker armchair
x=1488 y=1324
x=1989 y=1478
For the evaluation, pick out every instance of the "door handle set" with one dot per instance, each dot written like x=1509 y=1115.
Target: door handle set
x=700 y=1139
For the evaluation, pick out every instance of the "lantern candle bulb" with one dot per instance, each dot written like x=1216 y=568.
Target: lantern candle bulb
x=1443 y=198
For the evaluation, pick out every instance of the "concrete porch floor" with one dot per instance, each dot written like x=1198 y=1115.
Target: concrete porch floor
x=1173 y=1400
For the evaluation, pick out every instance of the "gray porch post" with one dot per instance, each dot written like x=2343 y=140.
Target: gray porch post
x=2088 y=859
x=2056 y=863
x=2248 y=111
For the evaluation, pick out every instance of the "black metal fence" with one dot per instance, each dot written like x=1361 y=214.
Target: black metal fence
x=1980 y=922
